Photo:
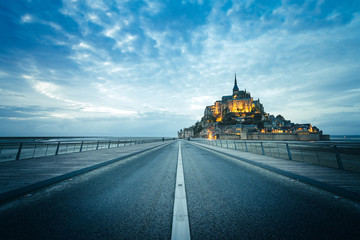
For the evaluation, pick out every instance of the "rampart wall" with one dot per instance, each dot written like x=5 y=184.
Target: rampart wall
x=277 y=136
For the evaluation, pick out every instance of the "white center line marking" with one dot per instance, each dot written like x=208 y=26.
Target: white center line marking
x=180 y=225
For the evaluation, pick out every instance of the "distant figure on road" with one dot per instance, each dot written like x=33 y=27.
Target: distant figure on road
x=163 y=139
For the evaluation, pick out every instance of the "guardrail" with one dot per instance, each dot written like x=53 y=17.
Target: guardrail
x=25 y=150
x=336 y=155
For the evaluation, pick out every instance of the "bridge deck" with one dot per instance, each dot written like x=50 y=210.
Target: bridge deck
x=17 y=177
x=337 y=181
x=20 y=176
x=216 y=194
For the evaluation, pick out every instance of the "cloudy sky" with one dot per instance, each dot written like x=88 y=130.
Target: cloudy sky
x=149 y=67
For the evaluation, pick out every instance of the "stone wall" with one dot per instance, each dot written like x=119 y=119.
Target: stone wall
x=276 y=136
x=284 y=136
x=229 y=137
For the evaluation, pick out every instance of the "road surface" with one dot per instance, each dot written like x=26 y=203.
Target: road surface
x=134 y=199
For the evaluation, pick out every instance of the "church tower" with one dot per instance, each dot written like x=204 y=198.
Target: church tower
x=236 y=88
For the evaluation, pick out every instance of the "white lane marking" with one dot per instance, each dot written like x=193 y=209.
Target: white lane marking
x=180 y=225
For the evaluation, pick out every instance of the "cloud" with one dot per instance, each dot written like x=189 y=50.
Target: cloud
x=153 y=7
x=153 y=61
x=97 y=4
x=26 y=18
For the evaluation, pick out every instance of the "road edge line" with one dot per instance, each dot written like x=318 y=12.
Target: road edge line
x=180 y=224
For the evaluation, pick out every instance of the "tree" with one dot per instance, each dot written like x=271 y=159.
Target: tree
x=209 y=119
x=280 y=118
x=257 y=117
x=197 y=128
x=258 y=120
x=248 y=121
x=229 y=119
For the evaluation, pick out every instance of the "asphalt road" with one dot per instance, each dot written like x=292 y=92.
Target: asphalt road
x=133 y=199
x=229 y=199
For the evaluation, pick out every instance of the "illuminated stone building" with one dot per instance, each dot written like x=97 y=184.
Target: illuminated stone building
x=238 y=116
x=240 y=103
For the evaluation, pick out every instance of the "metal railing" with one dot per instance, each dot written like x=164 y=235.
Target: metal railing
x=25 y=150
x=336 y=155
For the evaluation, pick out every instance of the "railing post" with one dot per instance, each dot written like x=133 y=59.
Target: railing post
x=34 y=151
x=262 y=148
x=338 y=157
x=57 y=149
x=47 y=146
x=109 y=144
x=246 y=147
x=288 y=150
x=317 y=155
x=235 y=145
x=19 y=152
x=277 y=146
x=97 y=145
x=81 y=146
x=227 y=144
x=302 y=156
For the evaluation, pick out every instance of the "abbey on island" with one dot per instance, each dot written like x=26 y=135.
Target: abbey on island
x=239 y=116
x=240 y=103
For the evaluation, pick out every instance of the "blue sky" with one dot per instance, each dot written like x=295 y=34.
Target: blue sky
x=149 y=68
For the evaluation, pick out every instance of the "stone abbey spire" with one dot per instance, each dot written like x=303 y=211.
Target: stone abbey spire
x=236 y=88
